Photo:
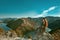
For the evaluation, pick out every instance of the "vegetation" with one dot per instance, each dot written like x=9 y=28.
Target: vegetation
x=55 y=25
x=13 y=24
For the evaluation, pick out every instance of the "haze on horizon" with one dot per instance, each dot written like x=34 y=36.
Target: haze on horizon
x=29 y=8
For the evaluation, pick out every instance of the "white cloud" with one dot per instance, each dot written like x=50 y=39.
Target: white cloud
x=45 y=12
x=52 y=8
x=30 y=14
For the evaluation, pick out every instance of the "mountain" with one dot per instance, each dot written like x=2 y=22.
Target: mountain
x=54 y=25
x=23 y=26
x=52 y=19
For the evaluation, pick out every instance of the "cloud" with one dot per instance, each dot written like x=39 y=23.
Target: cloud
x=45 y=12
x=50 y=9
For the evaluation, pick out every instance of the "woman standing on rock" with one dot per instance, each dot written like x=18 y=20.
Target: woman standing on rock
x=44 y=25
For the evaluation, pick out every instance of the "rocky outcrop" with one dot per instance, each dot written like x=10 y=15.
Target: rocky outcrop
x=56 y=34
x=2 y=32
x=43 y=36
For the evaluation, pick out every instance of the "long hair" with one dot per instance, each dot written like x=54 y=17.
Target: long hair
x=44 y=24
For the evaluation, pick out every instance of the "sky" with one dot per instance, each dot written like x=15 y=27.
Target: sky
x=29 y=8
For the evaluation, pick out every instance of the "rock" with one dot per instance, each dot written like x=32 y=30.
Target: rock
x=44 y=36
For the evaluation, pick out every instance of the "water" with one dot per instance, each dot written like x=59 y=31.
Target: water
x=4 y=27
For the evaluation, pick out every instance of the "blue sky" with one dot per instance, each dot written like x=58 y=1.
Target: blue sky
x=29 y=8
